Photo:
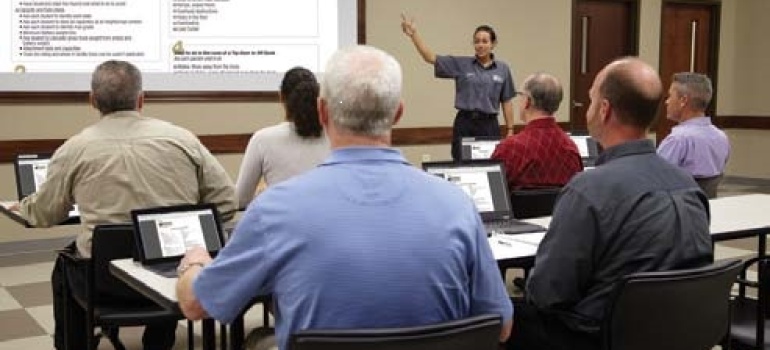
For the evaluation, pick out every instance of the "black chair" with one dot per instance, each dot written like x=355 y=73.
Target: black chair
x=709 y=184
x=681 y=309
x=111 y=242
x=532 y=203
x=474 y=333
x=750 y=323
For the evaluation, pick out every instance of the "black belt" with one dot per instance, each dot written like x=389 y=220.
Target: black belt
x=477 y=115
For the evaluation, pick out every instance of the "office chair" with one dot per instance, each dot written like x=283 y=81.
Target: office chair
x=750 y=323
x=475 y=333
x=685 y=309
x=111 y=242
x=532 y=203
x=709 y=184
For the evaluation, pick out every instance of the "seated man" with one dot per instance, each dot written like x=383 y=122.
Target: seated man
x=122 y=162
x=326 y=245
x=541 y=155
x=634 y=213
x=695 y=145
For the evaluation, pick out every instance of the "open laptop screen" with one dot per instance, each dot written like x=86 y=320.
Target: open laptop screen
x=476 y=148
x=483 y=181
x=31 y=171
x=166 y=233
x=587 y=147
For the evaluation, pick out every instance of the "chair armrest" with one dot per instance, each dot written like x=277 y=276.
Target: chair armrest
x=743 y=280
x=72 y=256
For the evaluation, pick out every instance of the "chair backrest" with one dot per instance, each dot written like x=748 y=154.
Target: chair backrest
x=679 y=309
x=532 y=203
x=709 y=184
x=110 y=242
x=478 y=333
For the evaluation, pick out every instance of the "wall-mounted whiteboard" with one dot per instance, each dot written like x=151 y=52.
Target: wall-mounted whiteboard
x=180 y=45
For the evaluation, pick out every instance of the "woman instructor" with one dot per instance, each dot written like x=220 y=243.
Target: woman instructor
x=482 y=84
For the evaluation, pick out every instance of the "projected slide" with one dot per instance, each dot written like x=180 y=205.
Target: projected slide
x=173 y=36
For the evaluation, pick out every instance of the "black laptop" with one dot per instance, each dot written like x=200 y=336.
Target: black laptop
x=164 y=234
x=478 y=147
x=485 y=183
x=31 y=171
x=588 y=148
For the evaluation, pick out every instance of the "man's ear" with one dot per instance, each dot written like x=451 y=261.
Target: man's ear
x=399 y=112
x=140 y=101
x=92 y=100
x=605 y=111
x=323 y=112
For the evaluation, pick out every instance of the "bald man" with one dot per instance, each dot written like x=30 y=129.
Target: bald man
x=634 y=213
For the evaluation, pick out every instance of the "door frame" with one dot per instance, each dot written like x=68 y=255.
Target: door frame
x=633 y=39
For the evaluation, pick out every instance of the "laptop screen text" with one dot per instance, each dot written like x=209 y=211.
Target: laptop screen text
x=167 y=235
x=484 y=184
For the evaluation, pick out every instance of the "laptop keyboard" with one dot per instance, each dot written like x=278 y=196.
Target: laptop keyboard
x=512 y=226
x=164 y=269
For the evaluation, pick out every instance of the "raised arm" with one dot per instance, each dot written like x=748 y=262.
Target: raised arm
x=408 y=27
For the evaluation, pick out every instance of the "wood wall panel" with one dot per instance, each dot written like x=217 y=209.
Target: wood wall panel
x=236 y=143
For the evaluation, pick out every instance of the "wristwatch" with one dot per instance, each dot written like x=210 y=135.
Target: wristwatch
x=183 y=268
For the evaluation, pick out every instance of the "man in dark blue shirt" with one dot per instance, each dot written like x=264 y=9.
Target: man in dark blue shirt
x=635 y=212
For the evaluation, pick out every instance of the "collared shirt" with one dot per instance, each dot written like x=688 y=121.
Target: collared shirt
x=122 y=162
x=696 y=146
x=633 y=213
x=363 y=241
x=277 y=153
x=541 y=155
x=477 y=88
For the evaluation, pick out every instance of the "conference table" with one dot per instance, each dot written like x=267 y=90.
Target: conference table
x=733 y=217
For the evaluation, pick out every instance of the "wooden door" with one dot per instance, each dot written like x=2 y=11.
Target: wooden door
x=689 y=36
x=601 y=32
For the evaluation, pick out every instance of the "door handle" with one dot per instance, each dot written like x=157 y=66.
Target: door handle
x=577 y=104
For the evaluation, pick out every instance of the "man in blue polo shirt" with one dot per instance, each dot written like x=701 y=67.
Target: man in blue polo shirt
x=363 y=241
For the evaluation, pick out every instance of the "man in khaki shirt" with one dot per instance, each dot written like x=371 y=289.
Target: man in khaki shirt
x=122 y=162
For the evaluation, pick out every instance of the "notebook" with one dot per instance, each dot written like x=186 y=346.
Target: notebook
x=164 y=234
x=588 y=148
x=485 y=183
x=477 y=148
x=31 y=171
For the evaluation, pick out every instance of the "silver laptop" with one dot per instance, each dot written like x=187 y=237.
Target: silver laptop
x=478 y=148
x=485 y=183
x=31 y=172
x=164 y=234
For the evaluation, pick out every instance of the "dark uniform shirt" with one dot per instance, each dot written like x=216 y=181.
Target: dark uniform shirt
x=477 y=88
x=634 y=213
x=541 y=155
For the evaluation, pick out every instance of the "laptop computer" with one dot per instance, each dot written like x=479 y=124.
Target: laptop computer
x=164 y=234
x=485 y=183
x=588 y=148
x=477 y=148
x=31 y=171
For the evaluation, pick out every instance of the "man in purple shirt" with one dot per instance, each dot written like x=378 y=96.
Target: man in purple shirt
x=695 y=145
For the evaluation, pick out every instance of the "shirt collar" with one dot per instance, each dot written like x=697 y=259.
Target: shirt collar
x=702 y=120
x=365 y=154
x=491 y=65
x=547 y=122
x=629 y=148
